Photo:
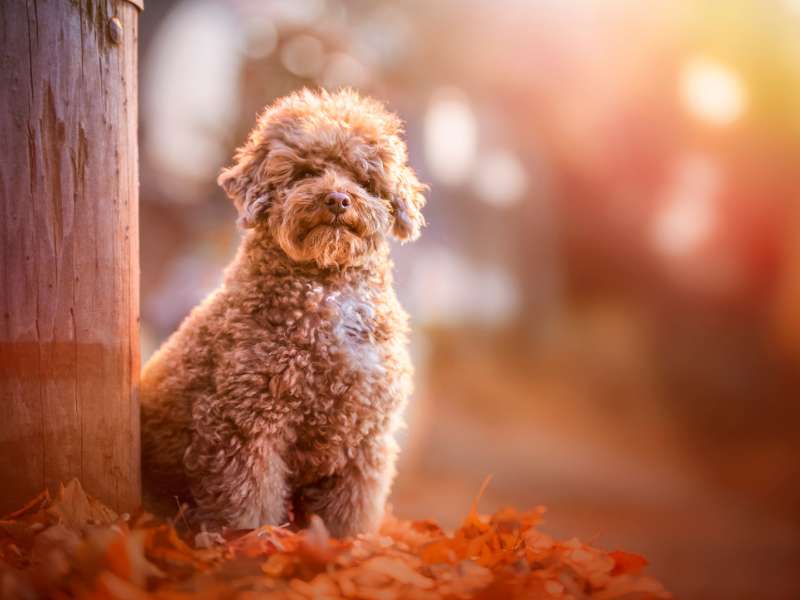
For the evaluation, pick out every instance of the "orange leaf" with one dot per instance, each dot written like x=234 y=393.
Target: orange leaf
x=437 y=552
x=627 y=562
x=117 y=558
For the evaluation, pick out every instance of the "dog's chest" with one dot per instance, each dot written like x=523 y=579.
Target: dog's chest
x=358 y=348
x=355 y=329
x=356 y=382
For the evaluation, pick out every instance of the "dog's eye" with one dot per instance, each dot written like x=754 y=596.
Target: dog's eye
x=304 y=173
x=370 y=187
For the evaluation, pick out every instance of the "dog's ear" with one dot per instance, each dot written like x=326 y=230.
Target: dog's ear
x=407 y=202
x=241 y=184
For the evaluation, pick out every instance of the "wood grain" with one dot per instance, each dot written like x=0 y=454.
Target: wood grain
x=69 y=270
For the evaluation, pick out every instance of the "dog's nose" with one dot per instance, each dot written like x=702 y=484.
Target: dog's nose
x=337 y=202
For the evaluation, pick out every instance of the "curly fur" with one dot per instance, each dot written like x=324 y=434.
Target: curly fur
x=287 y=383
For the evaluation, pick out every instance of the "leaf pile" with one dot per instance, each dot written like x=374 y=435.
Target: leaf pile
x=73 y=546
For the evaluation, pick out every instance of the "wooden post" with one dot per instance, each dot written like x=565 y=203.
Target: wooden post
x=69 y=255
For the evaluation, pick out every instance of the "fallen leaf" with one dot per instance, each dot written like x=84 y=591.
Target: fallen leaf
x=627 y=562
x=75 y=509
x=75 y=547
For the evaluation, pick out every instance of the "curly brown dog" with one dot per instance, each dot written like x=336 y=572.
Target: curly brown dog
x=287 y=383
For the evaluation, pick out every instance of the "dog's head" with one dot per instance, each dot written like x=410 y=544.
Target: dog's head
x=326 y=175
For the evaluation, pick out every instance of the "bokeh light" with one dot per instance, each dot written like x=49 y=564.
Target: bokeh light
x=450 y=136
x=712 y=92
x=196 y=43
x=344 y=70
x=688 y=216
x=500 y=179
x=303 y=56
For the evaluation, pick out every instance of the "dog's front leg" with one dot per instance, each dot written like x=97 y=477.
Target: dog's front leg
x=236 y=482
x=353 y=500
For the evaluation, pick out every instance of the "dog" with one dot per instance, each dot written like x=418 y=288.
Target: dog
x=281 y=392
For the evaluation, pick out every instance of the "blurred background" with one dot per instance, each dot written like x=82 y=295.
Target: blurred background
x=606 y=303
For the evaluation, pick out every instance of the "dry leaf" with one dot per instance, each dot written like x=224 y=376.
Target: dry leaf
x=74 y=547
x=75 y=509
x=627 y=562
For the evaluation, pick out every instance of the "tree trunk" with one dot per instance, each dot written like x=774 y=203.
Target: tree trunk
x=69 y=256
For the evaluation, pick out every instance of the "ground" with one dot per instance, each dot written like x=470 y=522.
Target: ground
x=74 y=546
